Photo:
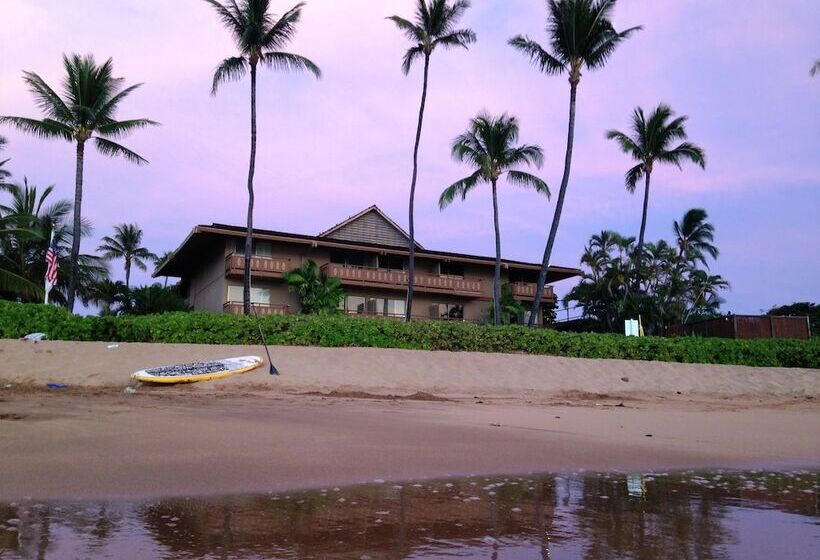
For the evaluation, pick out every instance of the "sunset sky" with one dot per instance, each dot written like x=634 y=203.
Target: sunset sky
x=330 y=148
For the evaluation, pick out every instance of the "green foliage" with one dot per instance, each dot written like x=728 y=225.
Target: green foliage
x=16 y=320
x=317 y=292
x=665 y=286
x=512 y=311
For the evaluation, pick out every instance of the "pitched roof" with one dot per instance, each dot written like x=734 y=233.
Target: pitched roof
x=371 y=225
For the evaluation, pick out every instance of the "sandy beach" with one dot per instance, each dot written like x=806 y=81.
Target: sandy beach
x=344 y=416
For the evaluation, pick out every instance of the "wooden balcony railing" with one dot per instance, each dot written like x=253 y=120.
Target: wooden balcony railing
x=379 y=278
x=269 y=267
x=526 y=290
x=236 y=308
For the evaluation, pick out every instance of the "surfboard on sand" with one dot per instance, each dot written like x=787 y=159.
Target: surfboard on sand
x=198 y=371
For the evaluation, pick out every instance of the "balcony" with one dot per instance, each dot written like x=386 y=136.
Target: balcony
x=396 y=279
x=235 y=308
x=526 y=290
x=261 y=267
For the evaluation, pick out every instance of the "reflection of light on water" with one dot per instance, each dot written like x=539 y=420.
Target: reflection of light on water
x=688 y=514
x=635 y=485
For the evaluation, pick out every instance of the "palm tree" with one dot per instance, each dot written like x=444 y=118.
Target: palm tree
x=30 y=219
x=259 y=39
x=695 y=236
x=159 y=261
x=317 y=293
x=434 y=26
x=490 y=147
x=581 y=35
x=652 y=143
x=106 y=294
x=4 y=173
x=85 y=111
x=126 y=244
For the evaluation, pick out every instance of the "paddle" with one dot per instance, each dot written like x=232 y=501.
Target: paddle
x=273 y=370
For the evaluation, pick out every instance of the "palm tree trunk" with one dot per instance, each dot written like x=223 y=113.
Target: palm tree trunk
x=559 y=206
x=76 y=232
x=411 y=265
x=497 y=272
x=639 y=250
x=246 y=291
x=127 y=274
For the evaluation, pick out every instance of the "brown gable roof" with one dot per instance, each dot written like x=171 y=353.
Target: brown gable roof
x=371 y=225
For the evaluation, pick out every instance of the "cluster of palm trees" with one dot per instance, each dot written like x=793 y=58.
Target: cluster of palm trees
x=669 y=284
x=28 y=217
x=580 y=37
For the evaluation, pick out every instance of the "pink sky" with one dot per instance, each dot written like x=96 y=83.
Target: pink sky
x=329 y=148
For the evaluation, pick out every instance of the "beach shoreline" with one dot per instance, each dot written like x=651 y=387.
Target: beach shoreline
x=348 y=416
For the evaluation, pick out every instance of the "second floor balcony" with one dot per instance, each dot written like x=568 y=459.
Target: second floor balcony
x=263 y=267
x=526 y=290
x=381 y=278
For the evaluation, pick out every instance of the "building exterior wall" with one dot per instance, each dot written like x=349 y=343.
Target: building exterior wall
x=206 y=287
x=475 y=306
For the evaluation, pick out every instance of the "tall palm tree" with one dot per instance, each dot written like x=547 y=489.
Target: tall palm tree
x=85 y=111
x=581 y=35
x=126 y=244
x=434 y=26
x=259 y=39
x=652 y=142
x=4 y=173
x=695 y=236
x=490 y=146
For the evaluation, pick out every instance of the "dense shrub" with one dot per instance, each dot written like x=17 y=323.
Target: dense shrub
x=17 y=320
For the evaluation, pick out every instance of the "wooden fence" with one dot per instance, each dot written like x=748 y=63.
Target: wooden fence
x=746 y=327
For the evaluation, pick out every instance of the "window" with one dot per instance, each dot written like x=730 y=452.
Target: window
x=360 y=305
x=391 y=262
x=447 y=311
x=260 y=248
x=529 y=276
x=451 y=269
x=259 y=296
x=353 y=258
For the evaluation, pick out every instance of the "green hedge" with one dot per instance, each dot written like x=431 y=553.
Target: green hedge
x=16 y=320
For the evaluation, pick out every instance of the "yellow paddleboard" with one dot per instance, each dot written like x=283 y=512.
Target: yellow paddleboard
x=198 y=371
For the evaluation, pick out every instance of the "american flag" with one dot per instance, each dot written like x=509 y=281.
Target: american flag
x=51 y=265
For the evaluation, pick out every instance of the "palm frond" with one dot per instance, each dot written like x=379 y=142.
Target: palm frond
x=118 y=129
x=112 y=149
x=634 y=175
x=47 y=99
x=410 y=30
x=528 y=180
x=229 y=70
x=230 y=16
x=461 y=38
x=537 y=55
x=46 y=128
x=283 y=31
x=290 y=62
x=410 y=57
x=459 y=188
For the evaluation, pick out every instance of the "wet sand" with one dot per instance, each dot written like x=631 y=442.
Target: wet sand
x=500 y=414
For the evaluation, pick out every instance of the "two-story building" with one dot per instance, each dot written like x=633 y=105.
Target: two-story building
x=368 y=252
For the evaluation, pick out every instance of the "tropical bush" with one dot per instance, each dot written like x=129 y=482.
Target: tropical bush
x=18 y=319
x=317 y=292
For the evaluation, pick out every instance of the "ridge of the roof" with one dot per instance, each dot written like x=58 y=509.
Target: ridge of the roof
x=377 y=210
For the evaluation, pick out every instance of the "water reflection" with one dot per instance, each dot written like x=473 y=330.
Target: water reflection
x=644 y=516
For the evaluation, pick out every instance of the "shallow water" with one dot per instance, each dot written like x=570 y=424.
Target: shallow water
x=720 y=514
